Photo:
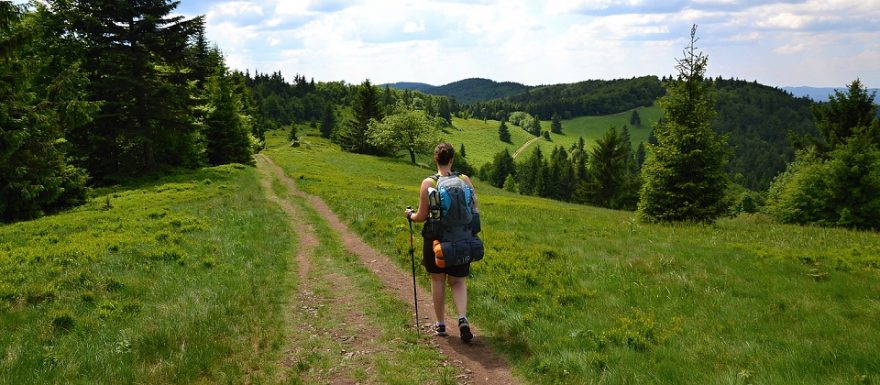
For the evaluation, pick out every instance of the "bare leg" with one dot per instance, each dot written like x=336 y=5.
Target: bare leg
x=459 y=294
x=438 y=291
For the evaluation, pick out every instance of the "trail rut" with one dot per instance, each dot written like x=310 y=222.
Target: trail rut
x=478 y=363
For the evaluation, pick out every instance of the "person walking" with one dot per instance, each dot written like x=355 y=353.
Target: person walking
x=455 y=276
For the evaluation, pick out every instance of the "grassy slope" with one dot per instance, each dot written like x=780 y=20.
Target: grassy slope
x=189 y=280
x=481 y=138
x=173 y=282
x=575 y=294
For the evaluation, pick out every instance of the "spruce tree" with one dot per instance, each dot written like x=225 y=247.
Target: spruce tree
x=504 y=132
x=556 y=124
x=136 y=57
x=635 y=119
x=41 y=97
x=685 y=180
x=227 y=135
x=328 y=121
x=365 y=107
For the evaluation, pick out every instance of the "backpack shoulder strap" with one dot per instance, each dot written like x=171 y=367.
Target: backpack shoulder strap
x=435 y=178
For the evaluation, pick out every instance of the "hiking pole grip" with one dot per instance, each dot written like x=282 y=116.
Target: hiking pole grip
x=412 y=259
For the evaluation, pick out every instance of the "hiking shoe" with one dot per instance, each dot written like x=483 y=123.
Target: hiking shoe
x=440 y=330
x=465 y=330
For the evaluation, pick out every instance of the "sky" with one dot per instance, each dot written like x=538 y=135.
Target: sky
x=826 y=43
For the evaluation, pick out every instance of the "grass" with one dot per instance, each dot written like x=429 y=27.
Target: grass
x=394 y=355
x=573 y=294
x=175 y=281
x=481 y=138
x=189 y=280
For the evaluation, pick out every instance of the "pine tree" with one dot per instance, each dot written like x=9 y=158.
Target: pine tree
x=556 y=124
x=503 y=132
x=530 y=175
x=41 y=96
x=502 y=167
x=365 y=107
x=444 y=110
x=461 y=152
x=328 y=121
x=635 y=119
x=685 y=180
x=135 y=54
x=227 y=135
x=608 y=170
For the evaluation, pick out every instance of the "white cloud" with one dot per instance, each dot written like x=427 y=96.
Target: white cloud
x=440 y=41
x=412 y=27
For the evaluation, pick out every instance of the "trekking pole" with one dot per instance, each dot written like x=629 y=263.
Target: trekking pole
x=412 y=259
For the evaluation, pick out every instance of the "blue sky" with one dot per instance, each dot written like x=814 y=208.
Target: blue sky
x=783 y=43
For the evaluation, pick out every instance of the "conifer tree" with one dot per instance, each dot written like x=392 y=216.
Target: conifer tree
x=41 y=96
x=685 y=180
x=365 y=107
x=328 y=121
x=556 y=124
x=503 y=132
x=135 y=54
x=635 y=119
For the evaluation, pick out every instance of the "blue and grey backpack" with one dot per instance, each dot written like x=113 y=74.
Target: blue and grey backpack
x=453 y=221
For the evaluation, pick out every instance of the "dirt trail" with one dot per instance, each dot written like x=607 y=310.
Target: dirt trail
x=306 y=300
x=524 y=146
x=480 y=365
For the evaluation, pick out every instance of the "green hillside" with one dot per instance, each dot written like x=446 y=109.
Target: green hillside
x=481 y=138
x=190 y=280
x=573 y=294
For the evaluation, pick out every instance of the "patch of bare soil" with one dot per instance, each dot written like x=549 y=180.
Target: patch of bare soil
x=306 y=301
x=476 y=362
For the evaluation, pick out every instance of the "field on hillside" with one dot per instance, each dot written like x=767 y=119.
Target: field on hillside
x=190 y=280
x=173 y=281
x=481 y=138
x=573 y=294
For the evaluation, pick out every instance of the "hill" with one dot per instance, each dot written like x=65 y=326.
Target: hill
x=573 y=294
x=414 y=86
x=475 y=89
x=758 y=120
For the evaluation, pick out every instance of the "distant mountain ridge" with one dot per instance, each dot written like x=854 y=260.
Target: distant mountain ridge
x=818 y=94
x=467 y=90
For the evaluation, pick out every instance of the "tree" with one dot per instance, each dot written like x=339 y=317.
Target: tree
x=503 y=133
x=41 y=96
x=365 y=107
x=227 y=131
x=407 y=130
x=502 y=167
x=328 y=121
x=444 y=110
x=530 y=175
x=136 y=57
x=685 y=180
x=461 y=152
x=609 y=171
x=835 y=182
x=635 y=120
x=510 y=184
x=844 y=116
x=556 y=124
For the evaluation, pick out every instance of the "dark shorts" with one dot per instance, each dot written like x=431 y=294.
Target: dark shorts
x=431 y=267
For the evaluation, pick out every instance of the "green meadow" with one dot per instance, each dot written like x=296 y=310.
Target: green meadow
x=481 y=138
x=190 y=279
x=573 y=294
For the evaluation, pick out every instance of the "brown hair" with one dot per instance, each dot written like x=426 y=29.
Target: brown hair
x=443 y=153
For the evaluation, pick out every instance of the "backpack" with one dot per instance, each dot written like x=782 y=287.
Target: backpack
x=453 y=222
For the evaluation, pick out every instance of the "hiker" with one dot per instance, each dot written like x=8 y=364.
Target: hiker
x=456 y=276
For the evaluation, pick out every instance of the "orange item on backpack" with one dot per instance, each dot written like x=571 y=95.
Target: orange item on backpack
x=438 y=255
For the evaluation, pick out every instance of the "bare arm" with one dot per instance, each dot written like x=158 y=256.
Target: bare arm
x=421 y=214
